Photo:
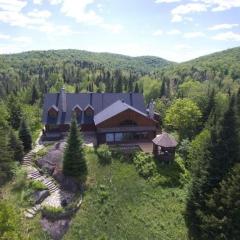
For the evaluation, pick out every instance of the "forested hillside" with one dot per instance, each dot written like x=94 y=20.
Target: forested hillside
x=199 y=104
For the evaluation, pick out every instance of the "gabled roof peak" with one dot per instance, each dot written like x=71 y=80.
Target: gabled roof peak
x=89 y=106
x=76 y=106
x=53 y=107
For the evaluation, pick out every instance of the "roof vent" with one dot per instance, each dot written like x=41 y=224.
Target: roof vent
x=123 y=100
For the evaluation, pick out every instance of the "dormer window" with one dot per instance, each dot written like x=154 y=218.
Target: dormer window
x=77 y=110
x=89 y=111
x=53 y=111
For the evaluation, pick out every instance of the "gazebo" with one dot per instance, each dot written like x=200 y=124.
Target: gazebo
x=164 y=146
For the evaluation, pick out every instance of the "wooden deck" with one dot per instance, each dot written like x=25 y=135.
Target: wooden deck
x=146 y=147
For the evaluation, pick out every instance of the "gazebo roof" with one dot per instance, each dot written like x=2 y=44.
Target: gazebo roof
x=165 y=140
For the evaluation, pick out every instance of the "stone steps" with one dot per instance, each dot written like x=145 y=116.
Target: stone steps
x=31 y=212
x=34 y=174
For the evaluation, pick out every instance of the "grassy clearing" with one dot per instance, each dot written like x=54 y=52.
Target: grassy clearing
x=119 y=204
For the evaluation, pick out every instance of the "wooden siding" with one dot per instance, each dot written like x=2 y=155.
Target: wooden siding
x=127 y=115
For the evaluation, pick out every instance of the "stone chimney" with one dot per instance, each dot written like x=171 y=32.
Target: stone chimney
x=151 y=109
x=63 y=100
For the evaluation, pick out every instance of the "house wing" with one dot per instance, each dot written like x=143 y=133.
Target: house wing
x=113 y=110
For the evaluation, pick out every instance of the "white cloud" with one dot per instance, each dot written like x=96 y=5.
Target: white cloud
x=39 y=14
x=167 y=1
x=4 y=36
x=82 y=14
x=223 y=26
x=158 y=32
x=174 y=32
x=221 y=5
x=55 y=2
x=12 y=5
x=37 y=2
x=193 y=34
x=180 y=11
x=227 y=36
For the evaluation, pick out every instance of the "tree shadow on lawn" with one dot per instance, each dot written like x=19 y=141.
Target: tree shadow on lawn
x=168 y=175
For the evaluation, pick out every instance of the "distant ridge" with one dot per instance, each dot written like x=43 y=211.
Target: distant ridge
x=111 y=60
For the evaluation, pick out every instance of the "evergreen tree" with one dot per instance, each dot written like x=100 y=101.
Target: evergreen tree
x=211 y=170
x=119 y=85
x=74 y=163
x=222 y=217
x=225 y=149
x=25 y=135
x=209 y=110
x=15 y=112
x=6 y=162
x=136 y=90
x=77 y=89
x=35 y=95
x=163 y=89
x=16 y=146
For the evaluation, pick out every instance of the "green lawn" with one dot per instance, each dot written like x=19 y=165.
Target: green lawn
x=119 y=204
x=16 y=195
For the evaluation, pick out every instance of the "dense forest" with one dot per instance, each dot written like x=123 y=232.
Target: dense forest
x=198 y=101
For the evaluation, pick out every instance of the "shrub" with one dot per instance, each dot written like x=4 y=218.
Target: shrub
x=37 y=185
x=53 y=212
x=103 y=193
x=104 y=154
x=145 y=164
x=20 y=179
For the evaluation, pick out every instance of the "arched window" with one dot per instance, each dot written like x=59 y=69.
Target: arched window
x=128 y=123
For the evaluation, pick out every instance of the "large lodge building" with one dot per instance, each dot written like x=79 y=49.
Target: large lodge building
x=113 y=117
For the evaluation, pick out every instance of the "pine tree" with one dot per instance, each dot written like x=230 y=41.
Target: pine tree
x=225 y=149
x=136 y=90
x=15 y=112
x=77 y=89
x=74 y=163
x=223 y=154
x=16 y=146
x=222 y=217
x=25 y=135
x=209 y=108
x=35 y=95
x=6 y=162
x=163 y=89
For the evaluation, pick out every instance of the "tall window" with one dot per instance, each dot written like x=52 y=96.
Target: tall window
x=109 y=137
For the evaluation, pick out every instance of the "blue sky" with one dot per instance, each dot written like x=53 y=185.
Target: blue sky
x=177 y=30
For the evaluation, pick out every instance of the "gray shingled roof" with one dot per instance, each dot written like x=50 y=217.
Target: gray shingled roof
x=114 y=109
x=99 y=101
x=165 y=140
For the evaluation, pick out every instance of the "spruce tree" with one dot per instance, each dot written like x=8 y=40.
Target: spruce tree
x=136 y=90
x=222 y=154
x=163 y=89
x=222 y=217
x=25 y=135
x=35 y=95
x=74 y=163
x=6 y=160
x=209 y=110
x=16 y=146
x=15 y=112
x=225 y=149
